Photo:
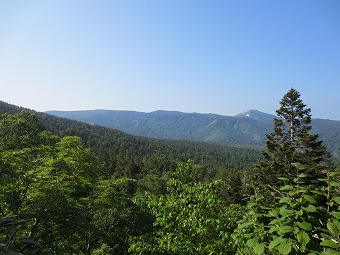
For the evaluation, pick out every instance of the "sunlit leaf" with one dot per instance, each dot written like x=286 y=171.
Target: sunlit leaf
x=303 y=238
x=259 y=248
x=276 y=242
x=309 y=198
x=284 y=248
x=333 y=228
x=252 y=242
x=329 y=243
x=304 y=225
x=285 y=229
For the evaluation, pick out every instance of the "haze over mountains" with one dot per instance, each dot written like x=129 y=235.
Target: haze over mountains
x=248 y=128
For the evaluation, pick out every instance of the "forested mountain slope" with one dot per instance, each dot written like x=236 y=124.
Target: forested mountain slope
x=247 y=128
x=58 y=197
x=128 y=155
x=178 y=125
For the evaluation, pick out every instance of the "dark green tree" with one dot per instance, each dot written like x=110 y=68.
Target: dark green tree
x=291 y=143
x=113 y=219
x=23 y=130
x=19 y=131
x=295 y=208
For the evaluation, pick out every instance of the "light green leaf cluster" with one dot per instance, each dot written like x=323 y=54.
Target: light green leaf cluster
x=302 y=219
x=189 y=219
x=46 y=182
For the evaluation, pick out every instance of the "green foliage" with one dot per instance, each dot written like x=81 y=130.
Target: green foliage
x=331 y=232
x=103 y=250
x=21 y=130
x=177 y=125
x=189 y=219
x=294 y=208
x=158 y=164
x=8 y=229
x=251 y=233
x=246 y=129
x=303 y=219
x=46 y=185
x=114 y=218
x=234 y=189
x=125 y=187
x=153 y=184
x=124 y=155
x=56 y=197
x=291 y=143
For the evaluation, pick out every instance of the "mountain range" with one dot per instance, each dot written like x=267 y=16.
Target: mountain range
x=122 y=154
x=248 y=128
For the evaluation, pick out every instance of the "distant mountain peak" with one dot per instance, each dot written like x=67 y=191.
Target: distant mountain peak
x=165 y=112
x=255 y=114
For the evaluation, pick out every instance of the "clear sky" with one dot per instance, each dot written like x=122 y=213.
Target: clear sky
x=219 y=56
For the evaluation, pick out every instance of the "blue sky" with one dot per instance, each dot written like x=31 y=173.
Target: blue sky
x=221 y=57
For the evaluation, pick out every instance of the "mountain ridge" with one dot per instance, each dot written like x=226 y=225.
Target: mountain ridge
x=247 y=128
x=255 y=114
x=164 y=124
x=120 y=152
x=244 y=129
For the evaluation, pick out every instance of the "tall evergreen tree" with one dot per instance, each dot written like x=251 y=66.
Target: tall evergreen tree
x=294 y=210
x=291 y=143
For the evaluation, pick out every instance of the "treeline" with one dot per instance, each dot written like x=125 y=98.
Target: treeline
x=114 y=148
x=132 y=156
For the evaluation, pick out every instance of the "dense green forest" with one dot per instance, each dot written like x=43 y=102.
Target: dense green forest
x=73 y=188
x=248 y=128
x=133 y=156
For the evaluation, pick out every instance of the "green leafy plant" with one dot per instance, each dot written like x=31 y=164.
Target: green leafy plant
x=8 y=236
x=302 y=219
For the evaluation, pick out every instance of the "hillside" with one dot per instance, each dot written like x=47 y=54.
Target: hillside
x=248 y=128
x=126 y=155
x=178 y=125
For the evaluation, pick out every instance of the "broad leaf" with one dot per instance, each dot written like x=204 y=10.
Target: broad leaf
x=333 y=228
x=329 y=243
x=287 y=188
x=259 y=248
x=286 y=212
x=285 y=229
x=276 y=242
x=336 y=215
x=309 y=208
x=303 y=175
x=284 y=248
x=285 y=200
x=252 y=242
x=303 y=238
x=304 y=225
x=309 y=198
x=330 y=252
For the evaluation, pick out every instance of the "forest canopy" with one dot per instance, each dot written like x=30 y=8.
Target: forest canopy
x=128 y=195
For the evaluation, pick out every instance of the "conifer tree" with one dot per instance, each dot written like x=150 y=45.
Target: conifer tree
x=290 y=143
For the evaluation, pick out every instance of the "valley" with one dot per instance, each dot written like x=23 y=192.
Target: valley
x=245 y=129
